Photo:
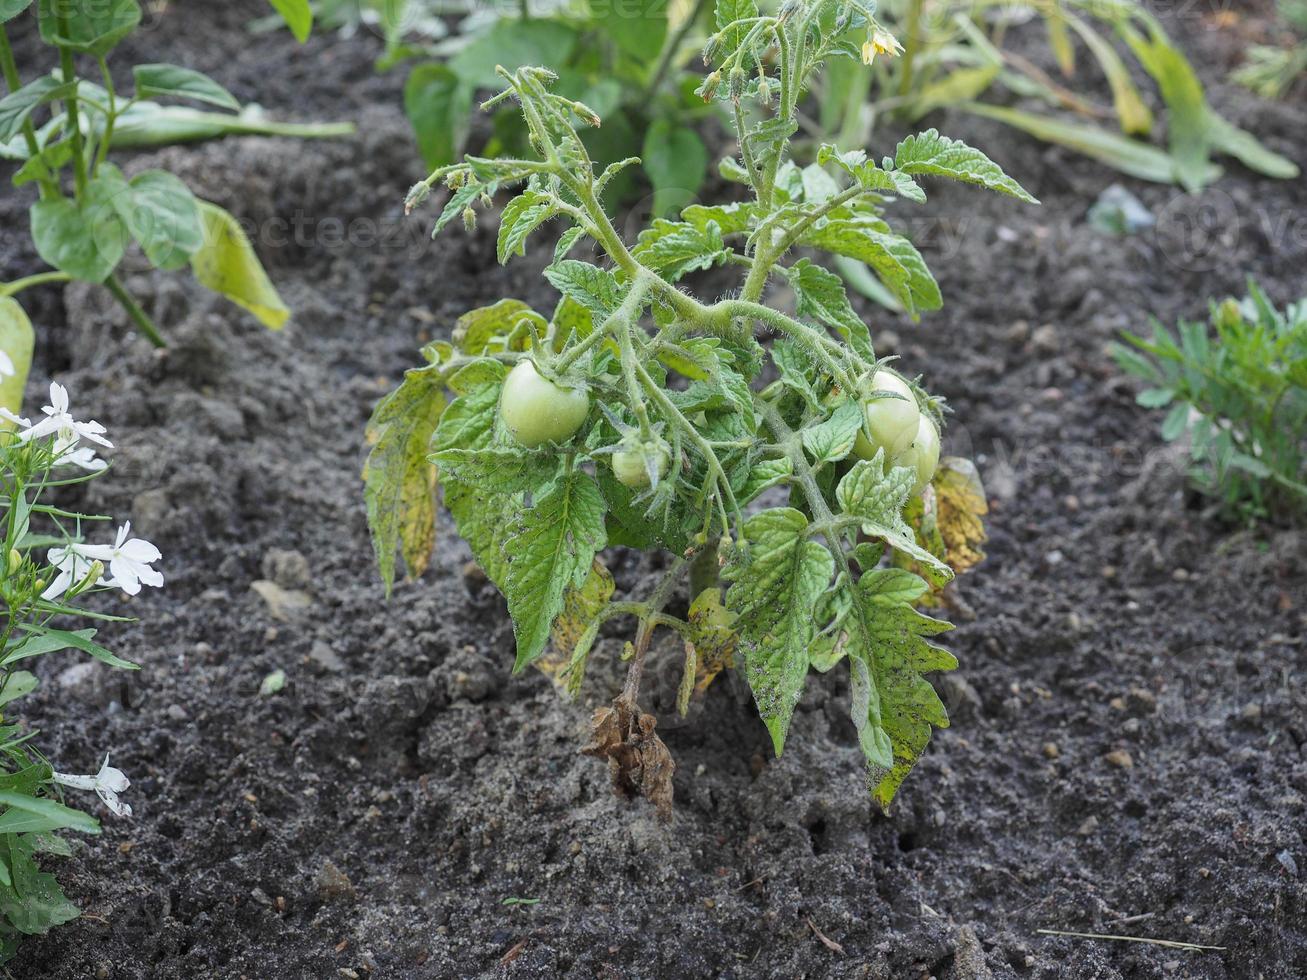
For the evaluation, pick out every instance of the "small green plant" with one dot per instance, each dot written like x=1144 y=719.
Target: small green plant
x=954 y=54
x=82 y=225
x=35 y=457
x=1237 y=387
x=625 y=61
x=1271 y=70
x=638 y=416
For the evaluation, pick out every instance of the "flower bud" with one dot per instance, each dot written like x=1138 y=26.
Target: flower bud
x=469 y=219
x=15 y=561
x=92 y=576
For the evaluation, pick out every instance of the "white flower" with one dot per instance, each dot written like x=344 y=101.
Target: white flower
x=67 y=431
x=108 y=783
x=128 y=560
x=6 y=366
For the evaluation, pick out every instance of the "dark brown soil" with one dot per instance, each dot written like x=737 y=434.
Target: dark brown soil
x=379 y=813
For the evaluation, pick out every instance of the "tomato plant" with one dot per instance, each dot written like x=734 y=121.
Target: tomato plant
x=798 y=552
x=83 y=230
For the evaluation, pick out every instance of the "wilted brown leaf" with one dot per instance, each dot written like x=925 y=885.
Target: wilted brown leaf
x=638 y=761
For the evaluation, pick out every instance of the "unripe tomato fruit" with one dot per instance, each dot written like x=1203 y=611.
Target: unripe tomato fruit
x=923 y=454
x=538 y=411
x=630 y=469
x=892 y=422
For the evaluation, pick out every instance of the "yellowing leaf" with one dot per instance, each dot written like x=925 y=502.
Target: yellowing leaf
x=227 y=264
x=711 y=643
x=575 y=629
x=960 y=508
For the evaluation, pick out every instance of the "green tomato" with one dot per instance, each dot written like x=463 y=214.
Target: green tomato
x=923 y=454
x=538 y=411
x=632 y=471
x=891 y=422
x=16 y=343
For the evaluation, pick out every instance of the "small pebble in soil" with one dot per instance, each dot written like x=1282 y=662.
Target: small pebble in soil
x=1121 y=759
x=1087 y=827
x=1051 y=751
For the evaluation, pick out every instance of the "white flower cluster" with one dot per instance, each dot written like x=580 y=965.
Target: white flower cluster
x=128 y=559
x=67 y=431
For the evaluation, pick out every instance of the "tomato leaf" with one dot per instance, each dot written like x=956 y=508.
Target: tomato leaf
x=877 y=499
x=773 y=593
x=400 y=480
x=549 y=551
x=934 y=155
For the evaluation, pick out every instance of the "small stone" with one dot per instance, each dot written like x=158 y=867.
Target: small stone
x=1087 y=827
x=327 y=658
x=1108 y=571
x=289 y=569
x=1051 y=751
x=1018 y=333
x=574 y=848
x=474 y=576
x=1044 y=339
x=177 y=713
x=1117 y=704
x=283 y=604
x=1288 y=862
x=102 y=972
x=1132 y=726
x=332 y=883
x=1054 y=557
x=260 y=896
x=1121 y=759
x=1180 y=575
x=1071 y=502
x=1251 y=712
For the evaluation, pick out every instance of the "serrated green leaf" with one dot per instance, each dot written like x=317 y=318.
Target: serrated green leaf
x=877 y=499
x=550 y=550
x=674 y=249
x=832 y=439
x=522 y=215
x=773 y=593
x=400 y=480
x=490 y=328
x=594 y=288
x=892 y=257
x=893 y=706
x=821 y=296
x=730 y=219
x=764 y=474
x=935 y=155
